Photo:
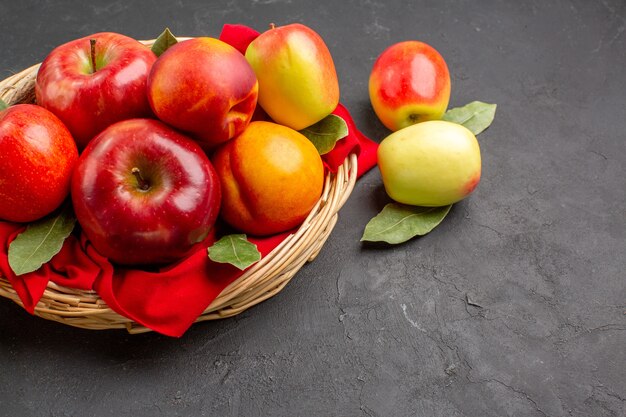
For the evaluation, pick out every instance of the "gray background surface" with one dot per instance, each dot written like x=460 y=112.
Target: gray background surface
x=514 y=306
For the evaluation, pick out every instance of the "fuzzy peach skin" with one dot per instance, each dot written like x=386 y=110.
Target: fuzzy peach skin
x=409 y=83
x=271 y=177
x=434 y=163
x=298 y=84
x=204 y=87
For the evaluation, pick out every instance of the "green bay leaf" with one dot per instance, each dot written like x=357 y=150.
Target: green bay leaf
x=397 y=223
x=40 y=241
x=164 y=41
x=476 y=116
x=325 y=133
x=235 y=250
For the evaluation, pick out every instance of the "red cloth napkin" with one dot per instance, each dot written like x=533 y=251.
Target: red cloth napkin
x=168 y=300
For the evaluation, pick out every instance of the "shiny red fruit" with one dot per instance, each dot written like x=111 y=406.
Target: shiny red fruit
x=409 y=83
x=88 y=101
x=204 y=87
x=37 y=156
x=145 y=193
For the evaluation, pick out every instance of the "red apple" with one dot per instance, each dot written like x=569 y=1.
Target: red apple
x=205 y=87
x=91 y=85
x=409 y=83
x=37 y=157
x=145 y=193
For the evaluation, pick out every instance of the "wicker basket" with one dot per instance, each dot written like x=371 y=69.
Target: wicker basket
x=261 y=281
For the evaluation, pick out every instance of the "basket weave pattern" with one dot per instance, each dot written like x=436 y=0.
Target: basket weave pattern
x=261 y=281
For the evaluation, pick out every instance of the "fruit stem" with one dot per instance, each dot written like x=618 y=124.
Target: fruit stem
x=143 y=184
x=92 y=44
x=272 y=26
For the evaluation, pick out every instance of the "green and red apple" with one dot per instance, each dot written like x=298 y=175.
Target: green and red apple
x=38 y=155
x=298 y=84
x=409 y=83
x=93 y=82
x=144 y=193
x=433 y=163
x=204 y=87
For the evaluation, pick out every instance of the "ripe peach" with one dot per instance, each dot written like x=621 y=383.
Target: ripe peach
x=271 y=178
x=204 y=87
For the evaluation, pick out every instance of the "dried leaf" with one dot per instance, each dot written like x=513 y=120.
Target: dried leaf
x=40 y=241
x=476 y=116
x=397 y=223
x=325 y=133
x=164 y=41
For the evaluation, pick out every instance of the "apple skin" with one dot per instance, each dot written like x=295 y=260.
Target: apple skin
x=432 y=164
x=37 y=157
x=160 y=223
x=298 y=84
x=204 y=87
x=409 y=83
x=271 y=178
x=86 y=101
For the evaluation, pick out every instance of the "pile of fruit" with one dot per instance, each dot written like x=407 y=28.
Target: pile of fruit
x=149 y=150
x=151 y=145
x=432 y=158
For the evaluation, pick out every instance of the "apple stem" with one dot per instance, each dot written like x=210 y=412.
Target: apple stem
x=143 y=184
x=272 y=26
x=92 y=44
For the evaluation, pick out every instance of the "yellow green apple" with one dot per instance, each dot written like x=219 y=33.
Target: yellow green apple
x=433 y=163
x=298 y=83
x=409 y=83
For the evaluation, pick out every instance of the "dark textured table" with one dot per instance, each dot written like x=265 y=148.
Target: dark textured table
x=514 y=306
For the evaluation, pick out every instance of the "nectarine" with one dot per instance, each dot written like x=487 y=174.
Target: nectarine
x=271 y=178
x=204 y=87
